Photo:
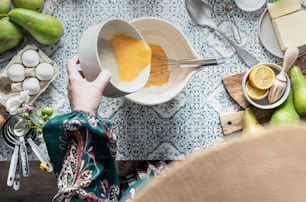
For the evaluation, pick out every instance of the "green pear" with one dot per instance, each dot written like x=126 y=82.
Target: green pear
x=299 y=90
x=44 y=28
x=251 y=126
x=285 y=113
x=35 y=5
x=5 y=6
x=10 y=34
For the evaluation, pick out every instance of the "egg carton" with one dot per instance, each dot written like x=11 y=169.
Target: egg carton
x=10 y=87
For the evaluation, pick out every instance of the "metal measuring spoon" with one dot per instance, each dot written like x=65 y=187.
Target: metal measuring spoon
x=42 y=158
x=234 y=28
x=13 y=166
x=19 y=131
x=16 y=183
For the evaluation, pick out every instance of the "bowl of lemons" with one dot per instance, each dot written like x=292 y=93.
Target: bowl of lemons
x=257 y=82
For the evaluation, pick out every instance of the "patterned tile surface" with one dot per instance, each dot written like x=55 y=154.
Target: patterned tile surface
x=174 y=129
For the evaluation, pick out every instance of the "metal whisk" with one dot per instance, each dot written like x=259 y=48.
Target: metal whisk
x=183 y=63
x=164 y=66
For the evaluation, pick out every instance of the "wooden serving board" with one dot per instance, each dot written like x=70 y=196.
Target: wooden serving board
x=232 y=122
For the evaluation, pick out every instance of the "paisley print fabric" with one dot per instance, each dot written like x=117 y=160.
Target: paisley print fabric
x=79 y=145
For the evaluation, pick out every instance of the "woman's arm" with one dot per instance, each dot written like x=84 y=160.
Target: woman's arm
x=84 y=95
x=78 y=143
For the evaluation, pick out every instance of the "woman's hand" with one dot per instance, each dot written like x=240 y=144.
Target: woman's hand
x=84 y=95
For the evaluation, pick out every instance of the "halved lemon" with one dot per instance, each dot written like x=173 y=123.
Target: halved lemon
x=262 y=77
x=255 y=93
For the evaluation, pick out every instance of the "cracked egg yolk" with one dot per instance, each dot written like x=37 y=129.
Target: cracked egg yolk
x=132 y=55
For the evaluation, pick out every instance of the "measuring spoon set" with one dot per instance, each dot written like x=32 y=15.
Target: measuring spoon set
x=18 y=137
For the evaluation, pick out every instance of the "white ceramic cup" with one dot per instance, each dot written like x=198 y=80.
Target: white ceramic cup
x=96 y=54
x=250 y=5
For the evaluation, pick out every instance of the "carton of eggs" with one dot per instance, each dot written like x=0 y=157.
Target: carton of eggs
x=31 y=70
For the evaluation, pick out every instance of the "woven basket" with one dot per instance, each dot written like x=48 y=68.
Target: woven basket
x=267 y=167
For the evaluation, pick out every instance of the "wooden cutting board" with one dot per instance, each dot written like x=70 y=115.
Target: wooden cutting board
x=232 y=122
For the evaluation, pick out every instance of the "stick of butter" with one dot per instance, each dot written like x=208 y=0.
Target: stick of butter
x=283 y=7
x=290 y=29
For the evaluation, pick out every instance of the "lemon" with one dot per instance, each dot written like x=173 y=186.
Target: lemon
x=262 y=77
x=255 y=93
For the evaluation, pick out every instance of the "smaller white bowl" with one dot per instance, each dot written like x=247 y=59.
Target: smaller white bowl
x=250 y=5
x=264 y=104
x=97 y=54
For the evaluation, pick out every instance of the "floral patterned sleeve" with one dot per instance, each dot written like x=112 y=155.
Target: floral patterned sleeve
x=81 y=149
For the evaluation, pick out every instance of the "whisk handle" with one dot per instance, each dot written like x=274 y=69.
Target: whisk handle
x=201 y=62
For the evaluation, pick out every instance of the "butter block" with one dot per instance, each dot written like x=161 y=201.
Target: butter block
x=290 y=29
x=283 y=7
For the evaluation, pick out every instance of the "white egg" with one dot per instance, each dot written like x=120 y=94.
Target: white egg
x=16 y=72
x=44 y=71
x=32 y=85
x=30 y=58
